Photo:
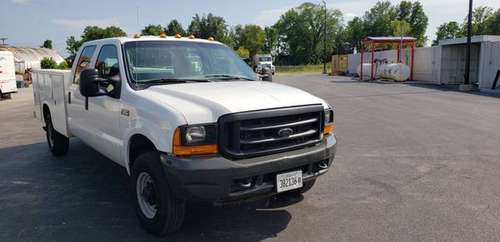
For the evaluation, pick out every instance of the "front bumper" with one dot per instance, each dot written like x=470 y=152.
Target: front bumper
x=219 y=180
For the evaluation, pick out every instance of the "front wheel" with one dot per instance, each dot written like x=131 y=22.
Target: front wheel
x=58 y=143
x=159 y=211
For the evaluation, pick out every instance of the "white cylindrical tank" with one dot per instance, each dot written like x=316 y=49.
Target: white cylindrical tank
x=367 y=71
x=394 y=71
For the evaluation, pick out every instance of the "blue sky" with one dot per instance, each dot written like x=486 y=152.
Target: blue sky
x=29 y=22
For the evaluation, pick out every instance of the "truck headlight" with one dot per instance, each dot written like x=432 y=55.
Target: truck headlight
x=195 y=140
x=329 y=121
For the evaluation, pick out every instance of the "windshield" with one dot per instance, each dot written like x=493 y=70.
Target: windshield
x=154 y=61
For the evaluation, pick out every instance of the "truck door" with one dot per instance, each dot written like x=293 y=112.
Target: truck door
x=77 y=114
x=104 y=111
x=97 y=123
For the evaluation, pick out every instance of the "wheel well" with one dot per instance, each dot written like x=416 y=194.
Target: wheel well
x=46 y=112
x=138 y=145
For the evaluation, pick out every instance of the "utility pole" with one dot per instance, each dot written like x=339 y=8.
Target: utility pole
x=467 y=85
x=324 y=40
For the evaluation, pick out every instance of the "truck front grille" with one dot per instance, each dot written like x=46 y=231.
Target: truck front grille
x=264 y=132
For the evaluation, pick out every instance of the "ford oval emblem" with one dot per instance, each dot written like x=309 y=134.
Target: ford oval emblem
x=285 y=132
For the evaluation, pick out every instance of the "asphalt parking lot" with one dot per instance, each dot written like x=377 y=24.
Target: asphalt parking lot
x=414 y=162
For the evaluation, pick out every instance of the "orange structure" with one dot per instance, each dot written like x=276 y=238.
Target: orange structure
x=371 y=44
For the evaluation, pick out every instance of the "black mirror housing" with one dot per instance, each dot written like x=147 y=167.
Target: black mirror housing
x=89 y=83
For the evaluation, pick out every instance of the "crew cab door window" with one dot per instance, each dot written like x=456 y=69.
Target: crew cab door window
x=83 y=62
x=108 y=68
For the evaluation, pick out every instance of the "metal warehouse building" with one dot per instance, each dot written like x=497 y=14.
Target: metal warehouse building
x=445 y=63
x=25 y=58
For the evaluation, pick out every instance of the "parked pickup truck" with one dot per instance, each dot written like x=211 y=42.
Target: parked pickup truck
x=188 y=120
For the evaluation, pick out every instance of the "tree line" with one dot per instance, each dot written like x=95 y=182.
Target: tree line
x=299 y=34
x=485 y=21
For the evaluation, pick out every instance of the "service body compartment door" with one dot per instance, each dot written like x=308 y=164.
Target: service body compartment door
x=59 y=118
x=49 y=87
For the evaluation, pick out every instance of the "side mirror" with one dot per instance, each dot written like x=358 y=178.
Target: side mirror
x=89 y=83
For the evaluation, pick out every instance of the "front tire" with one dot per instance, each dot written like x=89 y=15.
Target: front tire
x=159 y=211
x=58 y=143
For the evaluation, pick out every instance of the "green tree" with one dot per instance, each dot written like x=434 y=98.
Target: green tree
x=355 y=32
x=413 y=13
x=252 y=38
x=234 y=36
x=47 y=44
x=493 y=23
x=72 y=45
x=92 y=33
x=480 y=19
x=271 y=40
x=301 y=34
x=242 y=52
x=174 y=27
x=48 y=63
x=400 y=27
x=63 y=65
x=377 y=19
x=448 y=30
x=208 y=26
x=152 y=29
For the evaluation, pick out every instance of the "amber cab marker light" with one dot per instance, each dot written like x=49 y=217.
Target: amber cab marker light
x=180 y=150
x=178 y=36
x=191 y=36
x=211 y=38
x=136 y=36
x=329 y=128
x=163 y=35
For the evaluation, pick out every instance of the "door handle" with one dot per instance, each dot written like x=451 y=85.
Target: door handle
x=69 y=97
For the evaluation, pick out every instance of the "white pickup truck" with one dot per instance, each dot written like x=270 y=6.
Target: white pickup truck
x=188 y=120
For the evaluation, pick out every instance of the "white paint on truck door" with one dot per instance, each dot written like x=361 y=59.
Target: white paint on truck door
x=77 y=116
x=97 y=125
x=106 y=109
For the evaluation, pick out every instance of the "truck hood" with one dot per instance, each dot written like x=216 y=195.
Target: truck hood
x=206 y=102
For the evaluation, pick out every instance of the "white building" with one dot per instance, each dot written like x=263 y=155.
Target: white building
x=25 y=58
x=445 y=63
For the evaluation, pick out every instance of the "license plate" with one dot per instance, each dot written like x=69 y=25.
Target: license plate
x=288 y=181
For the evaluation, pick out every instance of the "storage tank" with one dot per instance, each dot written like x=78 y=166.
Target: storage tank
x=367 y=71
x=394 y=71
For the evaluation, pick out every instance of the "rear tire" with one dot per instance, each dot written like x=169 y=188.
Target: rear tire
x=159 y=211
x=58 y=143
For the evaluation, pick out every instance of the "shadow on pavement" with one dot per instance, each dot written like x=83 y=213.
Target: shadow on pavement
x=84 y=196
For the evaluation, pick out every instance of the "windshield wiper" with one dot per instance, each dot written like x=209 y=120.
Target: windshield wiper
x=227 y=77
x=170 y=81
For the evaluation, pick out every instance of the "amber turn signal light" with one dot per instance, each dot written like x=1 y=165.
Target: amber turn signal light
x=184 y=150
x=329 y=128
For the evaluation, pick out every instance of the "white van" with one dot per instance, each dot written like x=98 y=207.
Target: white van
x=7 y=74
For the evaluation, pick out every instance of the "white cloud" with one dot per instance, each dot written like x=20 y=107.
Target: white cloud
x=21 y=1
x=270 y=16
x=349 y=16
x=78 y=24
